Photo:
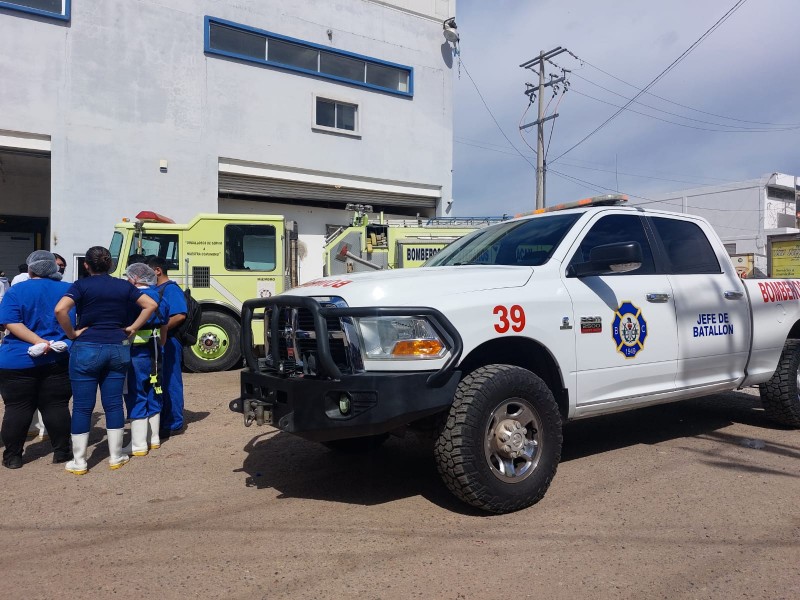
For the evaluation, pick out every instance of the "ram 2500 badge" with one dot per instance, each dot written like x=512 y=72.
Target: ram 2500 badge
x=516 y=328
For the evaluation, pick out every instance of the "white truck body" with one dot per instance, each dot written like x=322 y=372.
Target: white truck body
x=681 y=325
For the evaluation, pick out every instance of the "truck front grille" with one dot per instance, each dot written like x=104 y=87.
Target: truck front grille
x=297 y=348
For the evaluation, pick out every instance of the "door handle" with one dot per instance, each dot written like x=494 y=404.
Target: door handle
x=657 y=297
x=733 y=295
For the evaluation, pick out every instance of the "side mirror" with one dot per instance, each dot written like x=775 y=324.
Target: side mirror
x=621 y=257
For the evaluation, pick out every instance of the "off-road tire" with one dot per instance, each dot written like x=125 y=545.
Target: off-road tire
x=460 y=448
x=229 y=355
x=358 y=445
x=780 y=396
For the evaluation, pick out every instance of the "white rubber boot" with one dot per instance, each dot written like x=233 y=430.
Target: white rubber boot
x=78 y=465
x=138 y=445
x=154 y=423
x=37 y=429
x=116 y=457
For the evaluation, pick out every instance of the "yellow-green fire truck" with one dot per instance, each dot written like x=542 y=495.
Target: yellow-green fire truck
x=224 y=259
x=392 y=244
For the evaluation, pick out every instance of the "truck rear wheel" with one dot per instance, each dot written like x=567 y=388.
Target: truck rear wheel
x=218 y=345
x=501 y=443
x=780 y=396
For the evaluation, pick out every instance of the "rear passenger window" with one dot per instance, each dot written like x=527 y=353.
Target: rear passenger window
x=614 y=229
x=688 y=249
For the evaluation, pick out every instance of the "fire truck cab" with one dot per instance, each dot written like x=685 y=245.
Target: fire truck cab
x=224 y=259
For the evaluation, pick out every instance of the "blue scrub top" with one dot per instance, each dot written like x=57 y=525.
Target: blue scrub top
x=33 y=304
x=104 y=306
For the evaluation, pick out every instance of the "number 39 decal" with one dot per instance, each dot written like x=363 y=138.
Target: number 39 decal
x=513 y=318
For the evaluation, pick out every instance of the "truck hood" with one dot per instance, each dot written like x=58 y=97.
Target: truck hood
x=404 y=287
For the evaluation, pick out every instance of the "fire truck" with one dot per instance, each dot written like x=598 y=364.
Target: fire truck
x=392 y=243
x=226 y=259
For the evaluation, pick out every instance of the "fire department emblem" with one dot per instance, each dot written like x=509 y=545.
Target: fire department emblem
x=629 y=329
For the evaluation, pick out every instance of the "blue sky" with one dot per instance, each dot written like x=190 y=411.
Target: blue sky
x=747 y=71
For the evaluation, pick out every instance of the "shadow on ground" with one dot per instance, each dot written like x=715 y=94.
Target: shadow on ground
x=404 y=467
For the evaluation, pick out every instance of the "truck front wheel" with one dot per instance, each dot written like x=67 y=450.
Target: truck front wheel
x=500 y=445
x=218 y=344
x=780 y=396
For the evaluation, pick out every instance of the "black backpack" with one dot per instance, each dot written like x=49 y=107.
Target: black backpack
x=186 y=332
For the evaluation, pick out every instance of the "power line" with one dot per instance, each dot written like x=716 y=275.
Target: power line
x=505 y=150
x=637 y=112
x=660 y=76
x=683 y=105
x=489 y=110
x=737 y=127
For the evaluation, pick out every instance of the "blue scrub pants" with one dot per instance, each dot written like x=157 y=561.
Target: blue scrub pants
x=91 y=366
x=172 y=410
x=142 y=401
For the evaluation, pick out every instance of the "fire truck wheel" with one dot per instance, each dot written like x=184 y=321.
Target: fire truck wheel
x=218 y=344
x=357 y=445
x=500 y=445
x=780 y=396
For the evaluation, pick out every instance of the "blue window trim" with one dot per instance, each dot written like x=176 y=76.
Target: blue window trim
x=268 y=34
x=41 y=13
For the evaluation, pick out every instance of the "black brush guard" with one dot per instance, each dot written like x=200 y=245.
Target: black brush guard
x=310 y=406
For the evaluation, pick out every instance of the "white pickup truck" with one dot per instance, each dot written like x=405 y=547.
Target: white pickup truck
x=516 y=328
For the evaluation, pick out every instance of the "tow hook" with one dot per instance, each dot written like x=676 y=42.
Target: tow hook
x=254 y=411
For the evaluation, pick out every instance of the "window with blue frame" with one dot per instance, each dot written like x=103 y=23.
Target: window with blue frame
x=56 y=9
x=230 y=39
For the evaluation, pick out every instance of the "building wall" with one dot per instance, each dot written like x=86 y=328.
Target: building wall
x=740 y=212
x=124 y=85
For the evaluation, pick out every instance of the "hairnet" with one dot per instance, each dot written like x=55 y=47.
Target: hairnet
x=141 y=273
x=43 y=264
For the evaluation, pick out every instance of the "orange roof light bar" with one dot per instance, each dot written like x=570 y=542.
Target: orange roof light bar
x=148 y=216
x=605 y=200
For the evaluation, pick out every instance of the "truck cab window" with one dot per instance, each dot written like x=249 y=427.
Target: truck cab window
x=614 y=229
x=163 y=245
x=687 y=247
x=250 y=247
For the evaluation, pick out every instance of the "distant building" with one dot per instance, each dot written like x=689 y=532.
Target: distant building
x=743 y=213
x=248 y=106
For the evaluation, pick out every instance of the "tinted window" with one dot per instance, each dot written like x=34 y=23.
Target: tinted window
x=687 y=247
x=163 y=245
x=292 y=54
x=615 y=229
x=528 y=242
x=236 y=41
x=250 y=247
x=115 y=247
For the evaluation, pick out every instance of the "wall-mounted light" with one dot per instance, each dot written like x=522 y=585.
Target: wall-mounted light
x=450 y=30
x=162 y=165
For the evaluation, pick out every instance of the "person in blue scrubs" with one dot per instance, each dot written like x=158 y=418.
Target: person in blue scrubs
x=101 y=352
x=172 y=409
x=143 y=399
x=33 y=376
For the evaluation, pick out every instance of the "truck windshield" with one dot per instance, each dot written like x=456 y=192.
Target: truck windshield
x=115 y=247
x=528 y=242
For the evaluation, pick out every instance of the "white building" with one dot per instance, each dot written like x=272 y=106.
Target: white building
x=109 y=107
x=743 y=213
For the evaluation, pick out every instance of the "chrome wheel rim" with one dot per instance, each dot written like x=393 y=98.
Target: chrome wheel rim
x=513 y=440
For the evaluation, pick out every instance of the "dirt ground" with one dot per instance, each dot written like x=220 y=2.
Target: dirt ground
x=676 y=501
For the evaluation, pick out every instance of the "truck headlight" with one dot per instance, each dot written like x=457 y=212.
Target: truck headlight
x=399 y=338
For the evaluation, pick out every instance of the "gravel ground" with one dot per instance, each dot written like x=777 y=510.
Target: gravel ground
x=675 y=501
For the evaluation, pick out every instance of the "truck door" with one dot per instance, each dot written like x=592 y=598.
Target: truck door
x=625 y=328
x=712 y=309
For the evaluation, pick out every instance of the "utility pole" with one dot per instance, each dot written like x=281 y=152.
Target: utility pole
x=531 y=91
